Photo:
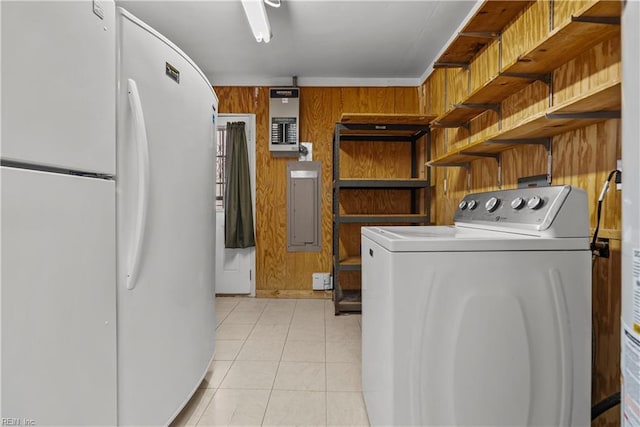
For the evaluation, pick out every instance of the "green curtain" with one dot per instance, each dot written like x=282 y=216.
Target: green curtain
x=238 y=212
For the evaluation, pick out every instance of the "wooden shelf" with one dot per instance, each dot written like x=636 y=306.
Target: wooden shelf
x=561 y=45
x=568 y=41
x=382 y=218
x=388 y=183
x=595 y=106
x=458 y=157
x=386 y=119
x=351 y=260
x=384 y=127
x=490 y=18
x=351 y=263
x=350 y=301
x=603 y=99
x=457 y=116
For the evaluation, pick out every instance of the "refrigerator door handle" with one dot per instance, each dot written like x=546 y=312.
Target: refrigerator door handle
x=140 y=134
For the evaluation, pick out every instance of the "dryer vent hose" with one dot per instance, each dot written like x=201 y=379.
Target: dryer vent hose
x=604 y=405
x=605 y=188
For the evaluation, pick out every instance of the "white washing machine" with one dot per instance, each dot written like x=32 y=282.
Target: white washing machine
x=487 y=322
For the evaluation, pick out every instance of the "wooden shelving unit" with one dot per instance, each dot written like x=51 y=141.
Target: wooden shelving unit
x=591 y=107
x=591 y=25
x=373 y=129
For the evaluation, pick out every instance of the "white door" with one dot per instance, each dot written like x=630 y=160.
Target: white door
x=235 y=268
x=166 y=314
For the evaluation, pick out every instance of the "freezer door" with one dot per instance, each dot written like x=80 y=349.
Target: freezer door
x=166 y=319
x=58 y=299
x=58 y=84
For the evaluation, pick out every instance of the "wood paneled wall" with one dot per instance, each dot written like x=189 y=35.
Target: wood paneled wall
x=582 y=158
x=282 y=273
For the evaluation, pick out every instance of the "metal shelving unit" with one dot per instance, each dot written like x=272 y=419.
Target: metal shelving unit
x=371 y=129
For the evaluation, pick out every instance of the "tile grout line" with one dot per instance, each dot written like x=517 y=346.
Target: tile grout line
x=206 y=407
x=326 y=373
x=216 y=389
x=225 y=375
x=278 y=368
x=244 y=341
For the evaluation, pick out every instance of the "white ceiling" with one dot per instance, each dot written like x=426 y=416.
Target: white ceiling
x=322 y=42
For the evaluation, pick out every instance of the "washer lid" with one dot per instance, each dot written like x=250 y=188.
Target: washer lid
x=462 y=239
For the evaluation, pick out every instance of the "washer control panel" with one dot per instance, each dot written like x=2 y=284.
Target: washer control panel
x=525 y=208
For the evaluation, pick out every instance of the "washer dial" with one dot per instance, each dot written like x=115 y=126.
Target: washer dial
x=492 y=204
x=517 y=203
x=463 y=205
x=472 y=204
x=535 y=203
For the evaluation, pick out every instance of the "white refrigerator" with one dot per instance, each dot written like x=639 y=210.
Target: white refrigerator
x=166 y=224
x=108 y=218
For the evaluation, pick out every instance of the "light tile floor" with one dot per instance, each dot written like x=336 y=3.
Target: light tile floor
x=281 y=362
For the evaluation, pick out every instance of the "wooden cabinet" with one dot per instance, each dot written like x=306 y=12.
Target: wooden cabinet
x=370 y=191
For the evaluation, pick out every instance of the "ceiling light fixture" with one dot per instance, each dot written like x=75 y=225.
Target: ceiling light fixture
x=258 y=21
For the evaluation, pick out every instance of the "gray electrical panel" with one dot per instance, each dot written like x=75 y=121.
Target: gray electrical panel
x=303 y=206
x=284 y=119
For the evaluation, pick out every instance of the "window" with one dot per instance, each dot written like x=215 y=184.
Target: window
x=221 y=171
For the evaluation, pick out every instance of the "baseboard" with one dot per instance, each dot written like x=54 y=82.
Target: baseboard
x=286 y=293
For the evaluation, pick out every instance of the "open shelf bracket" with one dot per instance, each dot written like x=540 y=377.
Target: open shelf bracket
x=479 y=34
x=585 y=115
x=466 y=165
x=466 y=125
x=496 y=156
x=493 y=107
x=464 y=65
x=610 y=20
x=544 y=78
x=538 y=141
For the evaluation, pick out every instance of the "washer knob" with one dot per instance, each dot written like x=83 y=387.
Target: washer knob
x=517 y=203
x=535 y=203
x=472 y=204
x=463 y=205
x=492 y=204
